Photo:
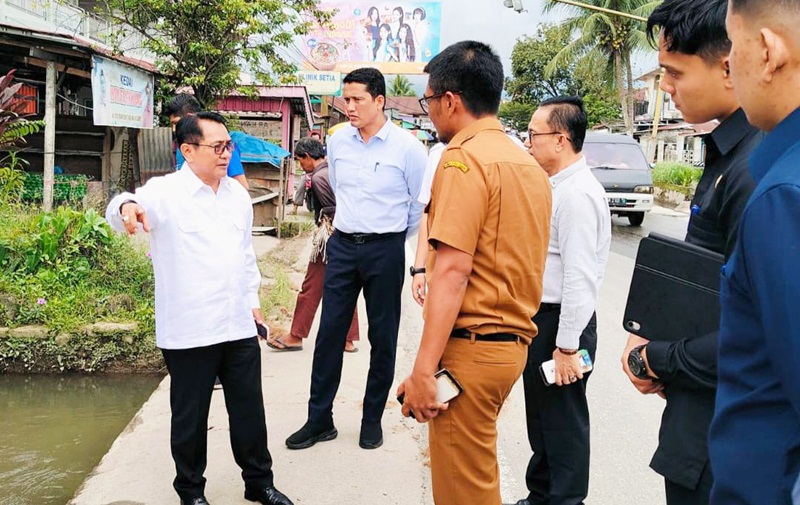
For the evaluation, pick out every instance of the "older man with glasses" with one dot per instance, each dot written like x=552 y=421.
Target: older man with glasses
x=580 y=237
x=200 y=224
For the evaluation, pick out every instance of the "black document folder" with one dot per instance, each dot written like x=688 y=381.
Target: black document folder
x=674 y=291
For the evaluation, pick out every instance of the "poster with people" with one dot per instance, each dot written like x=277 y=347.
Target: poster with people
x=121 y=95
x=395 y=37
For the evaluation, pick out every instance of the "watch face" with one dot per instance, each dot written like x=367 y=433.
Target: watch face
x=635 y=364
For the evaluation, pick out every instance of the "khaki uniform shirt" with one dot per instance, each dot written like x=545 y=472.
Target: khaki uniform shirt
x=491 y=199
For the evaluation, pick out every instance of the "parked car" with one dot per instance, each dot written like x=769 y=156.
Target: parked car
x=621 y=167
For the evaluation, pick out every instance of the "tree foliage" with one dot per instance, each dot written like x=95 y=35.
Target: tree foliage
x=529 y=85
x=401 y=86
x=531 y=54
x=206 y=44
x=516 y=115
x=605 y=37
x=13 y=125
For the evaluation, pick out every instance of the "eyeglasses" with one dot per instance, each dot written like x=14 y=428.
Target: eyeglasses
x=424 y=102
x=218 y=148
x=532 y=134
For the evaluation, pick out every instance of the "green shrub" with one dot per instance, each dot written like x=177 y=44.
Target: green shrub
x=676 y=174
x=65 y=270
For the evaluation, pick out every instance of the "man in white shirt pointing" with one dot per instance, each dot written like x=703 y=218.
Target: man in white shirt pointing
x=580 y=237
x=200 y=222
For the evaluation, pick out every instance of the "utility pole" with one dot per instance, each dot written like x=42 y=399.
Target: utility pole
x=49 y=136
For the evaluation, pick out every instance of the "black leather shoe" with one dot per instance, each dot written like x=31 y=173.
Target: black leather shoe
x=195 y=501
x=267 y=496
x=371 y=436
x=310 y=434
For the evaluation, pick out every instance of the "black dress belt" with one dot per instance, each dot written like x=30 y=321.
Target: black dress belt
x=548 y=307
x=363 y=238
x=491 y=337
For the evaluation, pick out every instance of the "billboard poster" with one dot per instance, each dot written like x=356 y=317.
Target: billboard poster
x=397 y=38
x=121 y=95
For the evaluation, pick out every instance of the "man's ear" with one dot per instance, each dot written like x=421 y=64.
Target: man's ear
x=775 y=53
x=187 y=151
x=380 y=100
x=725 y=66
x=452 y=100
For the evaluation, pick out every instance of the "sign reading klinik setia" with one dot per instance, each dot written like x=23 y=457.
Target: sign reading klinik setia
x=321 y=83
x=121 y=95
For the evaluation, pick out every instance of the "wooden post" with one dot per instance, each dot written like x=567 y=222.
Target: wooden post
x=49 y=136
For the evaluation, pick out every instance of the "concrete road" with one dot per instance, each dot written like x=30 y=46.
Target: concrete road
x=138 y=468
x=624 y=422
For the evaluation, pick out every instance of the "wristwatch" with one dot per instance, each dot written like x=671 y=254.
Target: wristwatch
x=637 y=364
x=415 y=271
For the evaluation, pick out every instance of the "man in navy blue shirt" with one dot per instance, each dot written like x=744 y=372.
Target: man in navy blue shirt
x=754 y=441
x=693 y=50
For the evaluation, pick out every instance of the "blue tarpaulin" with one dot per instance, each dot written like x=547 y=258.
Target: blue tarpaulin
x=256 y=150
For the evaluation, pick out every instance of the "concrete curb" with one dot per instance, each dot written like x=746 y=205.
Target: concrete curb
x=138 y=469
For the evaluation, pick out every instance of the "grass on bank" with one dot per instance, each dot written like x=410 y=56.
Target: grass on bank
x=64 y=270
x=670 y=173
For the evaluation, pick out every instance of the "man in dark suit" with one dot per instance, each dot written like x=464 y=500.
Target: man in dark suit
x=694 y=52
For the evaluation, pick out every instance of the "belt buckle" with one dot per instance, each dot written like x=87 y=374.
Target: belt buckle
x=358 y=238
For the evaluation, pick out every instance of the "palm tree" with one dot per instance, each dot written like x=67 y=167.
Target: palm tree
x=401 y=86
x=608 y=37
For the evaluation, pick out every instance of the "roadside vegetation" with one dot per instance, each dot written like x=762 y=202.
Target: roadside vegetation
x=673 y=174
x=61 y=273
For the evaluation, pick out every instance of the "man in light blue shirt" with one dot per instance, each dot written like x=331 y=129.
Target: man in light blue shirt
x=376 y=171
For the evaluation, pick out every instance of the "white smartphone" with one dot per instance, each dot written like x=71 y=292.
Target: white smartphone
x=548 y=368
x=447 y=387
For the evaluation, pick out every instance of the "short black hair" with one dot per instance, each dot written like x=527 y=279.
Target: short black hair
x=309 y=146
x=372 y=78
x=421 y=12
x=759 y=6
x=188 y=129
x=568 y=115
x=471 y=69
x=182 y=105
x=694 y=27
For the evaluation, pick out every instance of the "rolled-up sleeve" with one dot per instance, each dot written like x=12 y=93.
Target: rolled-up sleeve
x=414 y=173
x=579 y=222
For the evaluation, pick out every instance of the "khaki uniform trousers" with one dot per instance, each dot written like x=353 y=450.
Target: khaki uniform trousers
x=463 y=439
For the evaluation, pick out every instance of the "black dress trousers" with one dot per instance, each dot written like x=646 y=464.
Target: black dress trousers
x=376 y=266
x=558 y=420
x=192 y=374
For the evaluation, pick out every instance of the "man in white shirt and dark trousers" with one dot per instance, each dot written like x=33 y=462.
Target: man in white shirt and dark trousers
x=200 y=222
x=375 y=169
x=580 y=237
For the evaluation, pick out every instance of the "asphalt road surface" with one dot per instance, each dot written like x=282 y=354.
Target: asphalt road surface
x=624 y=422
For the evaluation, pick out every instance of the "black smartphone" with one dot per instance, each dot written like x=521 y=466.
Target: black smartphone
x=262 y=330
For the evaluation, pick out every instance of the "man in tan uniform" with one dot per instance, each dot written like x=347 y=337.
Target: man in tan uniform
x=489 y=224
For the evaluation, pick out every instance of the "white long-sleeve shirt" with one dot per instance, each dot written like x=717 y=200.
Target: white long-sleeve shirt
x=206 y=278
x=580 y=238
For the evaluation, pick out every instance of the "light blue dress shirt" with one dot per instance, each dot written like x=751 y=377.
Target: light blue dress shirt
x=377 y=182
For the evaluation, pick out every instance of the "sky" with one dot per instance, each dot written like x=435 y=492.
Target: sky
x=491 y=22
